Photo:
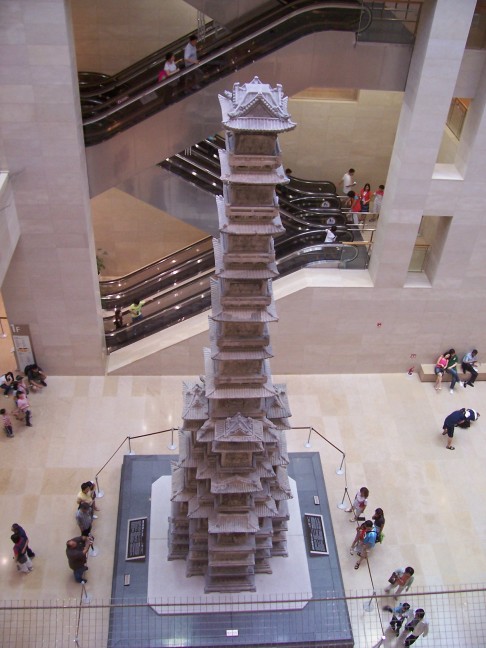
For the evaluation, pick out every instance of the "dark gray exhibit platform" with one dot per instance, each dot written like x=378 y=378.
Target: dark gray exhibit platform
x=320 y=623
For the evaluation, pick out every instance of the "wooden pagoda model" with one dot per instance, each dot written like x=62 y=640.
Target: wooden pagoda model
x=230 y=486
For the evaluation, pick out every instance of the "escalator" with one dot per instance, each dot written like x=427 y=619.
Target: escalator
x=151 y=127
x=178 y=286
x=113 y=104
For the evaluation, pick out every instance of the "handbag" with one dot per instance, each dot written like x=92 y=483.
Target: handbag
x=393 y=578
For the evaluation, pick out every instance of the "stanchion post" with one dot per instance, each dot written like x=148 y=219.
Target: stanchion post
x=308 y=443
x=172 y=445
x=342 y=505
x=130 y=451
x=99 y=492
x=340 y=470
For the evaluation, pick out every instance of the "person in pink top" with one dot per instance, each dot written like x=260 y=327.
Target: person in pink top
x=440 y=367
x=24 y=406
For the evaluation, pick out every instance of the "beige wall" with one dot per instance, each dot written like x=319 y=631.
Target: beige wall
x=51 y=283
x=110 y=35
x=130 y=233
x=335 y=330
x=343 y=134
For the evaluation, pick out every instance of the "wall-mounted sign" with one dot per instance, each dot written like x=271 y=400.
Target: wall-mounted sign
x=24 y=352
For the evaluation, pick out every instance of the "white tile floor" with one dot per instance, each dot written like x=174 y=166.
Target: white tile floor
x=388 y=426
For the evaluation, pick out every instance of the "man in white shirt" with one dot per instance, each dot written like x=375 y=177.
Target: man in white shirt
x=190 y=59
x=190 y=52
x=347 y=181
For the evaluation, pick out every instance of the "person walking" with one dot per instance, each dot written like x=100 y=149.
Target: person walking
x=18 y=530
x=458 y=418
x=76 y=552
x=23 y=406
x=417 y=627
x=401 y=579
x=359 y=505
x=469 y=365
x=368 y=543
x=24 y=563
x=452 y=368
x=7 y=423
x=400 y=613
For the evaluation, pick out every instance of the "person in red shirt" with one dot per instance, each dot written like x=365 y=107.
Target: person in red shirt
x=365 y=197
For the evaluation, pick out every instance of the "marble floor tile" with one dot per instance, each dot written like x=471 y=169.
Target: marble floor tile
x=388 y=426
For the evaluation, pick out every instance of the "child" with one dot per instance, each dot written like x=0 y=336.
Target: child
x=7 y=423
x=378 y=199
x=400 y=613
x=24 y=406
x=359 y=504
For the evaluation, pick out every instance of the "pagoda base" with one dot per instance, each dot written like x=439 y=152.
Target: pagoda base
x=283 y=617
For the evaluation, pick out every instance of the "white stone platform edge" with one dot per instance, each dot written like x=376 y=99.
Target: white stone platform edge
x=169 y=586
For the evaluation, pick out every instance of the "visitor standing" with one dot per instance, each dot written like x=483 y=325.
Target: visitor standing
x=359 y=504
x=379 y=193
x=368 y=543
x=76 y=552
x=365 y=197
x=348 y=181
x=136 y=310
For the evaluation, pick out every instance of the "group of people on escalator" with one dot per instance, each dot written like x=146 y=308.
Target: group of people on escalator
x=191 y=81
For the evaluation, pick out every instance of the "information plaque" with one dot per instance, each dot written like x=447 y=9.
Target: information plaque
x=137 y=539
x=317 y=534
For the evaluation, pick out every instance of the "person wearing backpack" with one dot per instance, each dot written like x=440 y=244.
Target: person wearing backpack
x=367 y=544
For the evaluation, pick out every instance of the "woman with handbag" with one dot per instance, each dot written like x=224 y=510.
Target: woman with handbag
x=402 y=578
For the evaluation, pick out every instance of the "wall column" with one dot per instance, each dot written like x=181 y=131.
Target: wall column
x=52 y=282
x=436 y=60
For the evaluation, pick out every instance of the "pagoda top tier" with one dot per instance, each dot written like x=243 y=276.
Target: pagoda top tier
x=256 y=107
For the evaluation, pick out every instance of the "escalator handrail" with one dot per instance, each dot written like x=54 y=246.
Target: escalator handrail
x=225 y=50
x=110 y=282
